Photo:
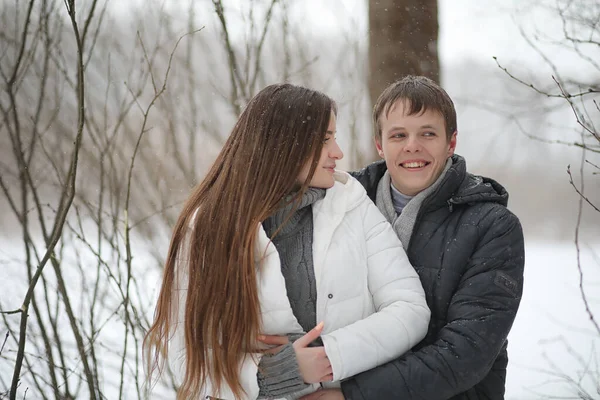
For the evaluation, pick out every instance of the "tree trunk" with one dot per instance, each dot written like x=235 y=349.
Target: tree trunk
x=403 y=38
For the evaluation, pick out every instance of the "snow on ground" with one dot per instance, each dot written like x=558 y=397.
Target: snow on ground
x=552 y=340
x=552 y=334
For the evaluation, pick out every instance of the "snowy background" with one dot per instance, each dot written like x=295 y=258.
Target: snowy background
x=553 y=347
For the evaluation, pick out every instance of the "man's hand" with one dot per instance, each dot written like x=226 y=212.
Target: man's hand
x=324 y=394
x=312 y=361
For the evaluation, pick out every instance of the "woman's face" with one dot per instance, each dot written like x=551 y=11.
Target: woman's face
x=331 y=152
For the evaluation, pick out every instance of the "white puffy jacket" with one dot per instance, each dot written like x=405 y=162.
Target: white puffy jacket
x=368 y=294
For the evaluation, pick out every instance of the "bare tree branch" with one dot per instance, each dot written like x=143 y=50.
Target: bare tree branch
x=234 y=74
x=553 y=141
x=64 y=205
x=577 y=116
x=4 y=343
x=562 y=95
x=261 y=43
x=157 y=95
x=579 y=192
x=579 y=268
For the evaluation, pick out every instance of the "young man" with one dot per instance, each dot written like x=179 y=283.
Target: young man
x=465 y=244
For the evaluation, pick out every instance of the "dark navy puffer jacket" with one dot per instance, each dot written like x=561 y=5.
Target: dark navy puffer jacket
x=469 y=252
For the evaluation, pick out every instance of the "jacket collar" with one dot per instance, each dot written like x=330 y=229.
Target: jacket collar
x=328 y=212
x=457 y=186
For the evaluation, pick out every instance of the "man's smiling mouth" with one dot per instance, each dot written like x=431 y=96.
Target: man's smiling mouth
x=414 y=164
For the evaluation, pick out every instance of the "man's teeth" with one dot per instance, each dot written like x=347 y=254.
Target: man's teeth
x=413 y=165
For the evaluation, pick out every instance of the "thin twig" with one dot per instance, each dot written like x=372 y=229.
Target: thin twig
x=128 y=258
x=541 y=91
x=158 y=212
x=261 y=43
x=577 y=227
x=581 y=195
x=234 y=73
x=12 y=312
x=579 y=121
x=553 y=141
x=4 y=343
x=147 y=61
x=592 y=164
x=13 y=77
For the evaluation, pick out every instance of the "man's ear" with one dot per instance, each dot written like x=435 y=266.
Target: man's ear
x=452 y=144
x=379 y=148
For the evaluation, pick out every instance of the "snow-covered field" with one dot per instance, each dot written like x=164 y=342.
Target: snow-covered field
x=552 y=341
x=553 y=346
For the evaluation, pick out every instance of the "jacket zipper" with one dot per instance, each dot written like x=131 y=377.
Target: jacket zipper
x=451 y=204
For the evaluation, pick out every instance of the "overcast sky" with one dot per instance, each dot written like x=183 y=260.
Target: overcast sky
x=475 y=29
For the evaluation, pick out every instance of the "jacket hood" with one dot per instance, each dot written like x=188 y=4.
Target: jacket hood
x=479 y=189
x=460 y=187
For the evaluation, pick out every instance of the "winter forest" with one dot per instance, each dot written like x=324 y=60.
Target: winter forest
x=111 y=111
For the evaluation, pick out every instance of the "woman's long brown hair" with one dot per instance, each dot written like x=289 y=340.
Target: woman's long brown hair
x=281 y=129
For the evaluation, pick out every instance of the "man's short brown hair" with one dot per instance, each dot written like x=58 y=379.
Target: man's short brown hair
x=422 y=94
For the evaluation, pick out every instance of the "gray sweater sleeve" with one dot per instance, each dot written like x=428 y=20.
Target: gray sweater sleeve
x=279 y=374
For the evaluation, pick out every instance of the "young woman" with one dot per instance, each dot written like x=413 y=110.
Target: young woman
x=273 y=241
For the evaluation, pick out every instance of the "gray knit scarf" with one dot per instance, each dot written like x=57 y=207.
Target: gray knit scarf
x=311 y=196
x=279 y=374
x=404 y=223
x=294 y=245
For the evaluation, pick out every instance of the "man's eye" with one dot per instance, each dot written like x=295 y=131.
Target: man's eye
x=429 y=133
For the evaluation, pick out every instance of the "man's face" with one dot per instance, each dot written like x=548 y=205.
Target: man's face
x=414 y=147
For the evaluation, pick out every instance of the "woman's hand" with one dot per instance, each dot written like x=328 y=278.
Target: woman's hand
x=312 y=361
